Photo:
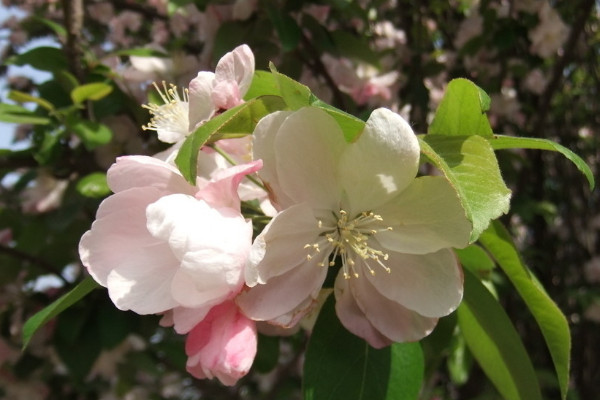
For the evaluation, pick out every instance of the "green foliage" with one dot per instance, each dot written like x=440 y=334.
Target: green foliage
x=550 y=319
x=238 y=121
x=20 y=115
x=471 y=167
x=93 y=185
x=495 y=344
x=340 y=365
x=90 y=91
x=462 y=111
x=67 y=300
x=42 y=58
x=499 y=142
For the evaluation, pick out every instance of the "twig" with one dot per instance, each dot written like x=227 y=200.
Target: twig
x=73 y=17
x=18 y=254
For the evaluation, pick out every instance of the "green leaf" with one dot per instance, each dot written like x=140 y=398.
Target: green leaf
x=141 y=52
x=286 y=27
x=495 y=344
x=240 y=120
x=462 y=111
x=93 y=185
x=90 y=91
x=470 y=165
x=263 y=83
x=57 y=28
x=499 y=142
x=42 y=58
x=20 y=115
x=550 y=319
x=295 y=94
x=91 y=133
x=340 y=365
x=351 y=126
x=354 y=46
x=67 y=300
x=476 y=260
x=22 y=97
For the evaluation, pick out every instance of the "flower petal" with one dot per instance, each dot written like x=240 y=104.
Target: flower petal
x=237 y=66
x=425 y=217
x=353 y=318
x=381 y=163
x=430 y=284
x=393 y=320
x=283 y=293
x=211 y=244
x=223 y=345
x=143 y=283
x=200 y=95
x=222 y=190
x=308 y=147
x=143 y=171
x=264 y=148
x=111 y=242
x=281 y=244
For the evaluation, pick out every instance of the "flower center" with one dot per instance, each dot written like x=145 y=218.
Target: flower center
x=172 y=115
x=349 y=238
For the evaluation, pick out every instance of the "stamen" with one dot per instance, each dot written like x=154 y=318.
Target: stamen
x=173 y=113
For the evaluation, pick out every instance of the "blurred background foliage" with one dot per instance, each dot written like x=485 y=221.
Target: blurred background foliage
x=74 y=76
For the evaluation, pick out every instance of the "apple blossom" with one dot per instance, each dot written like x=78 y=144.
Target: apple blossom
x=357 y=206
x=207 y=94
x=160 y=243
x=223 y=345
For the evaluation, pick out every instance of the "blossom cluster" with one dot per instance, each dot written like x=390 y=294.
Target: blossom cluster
x=162 y=245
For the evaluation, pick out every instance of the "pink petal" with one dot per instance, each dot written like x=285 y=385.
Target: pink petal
x=120 y=254
x=381 y=163
x=283 y=293
x=353 y=318
x=143 y=171
x=237 y=66
x=281 y=245
x=222 y=190
x=393 y=320
x=430 y=284
x=223 y=345
x=211 y=244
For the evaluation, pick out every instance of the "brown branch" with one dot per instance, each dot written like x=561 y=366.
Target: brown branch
x=42 y=264
x=73 y=20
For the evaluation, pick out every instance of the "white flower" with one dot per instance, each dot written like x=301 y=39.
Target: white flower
x=359 y=205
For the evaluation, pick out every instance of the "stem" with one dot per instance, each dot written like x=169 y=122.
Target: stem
x=73 y=17
x=232 y=162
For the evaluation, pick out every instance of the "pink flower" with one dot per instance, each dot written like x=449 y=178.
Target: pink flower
x=223 y=345
x=207 y=94
x=357 y=207
x=160 y=244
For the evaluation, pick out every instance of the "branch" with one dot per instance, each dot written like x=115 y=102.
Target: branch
x=20 y=255
x=73 y=19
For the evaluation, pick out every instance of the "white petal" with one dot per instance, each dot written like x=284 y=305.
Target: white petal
x=281 y=245
x=237 y=66
x=143 y=171
x=143 y=283
x=201 y=104
x=353 y=318
x=263 y=147
x=283 y=293
x=430 y=284
x=212 y=246
x=308 y=147
x=381 y=163
x=118 y=233
x=425 y=217
x=390 y=318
